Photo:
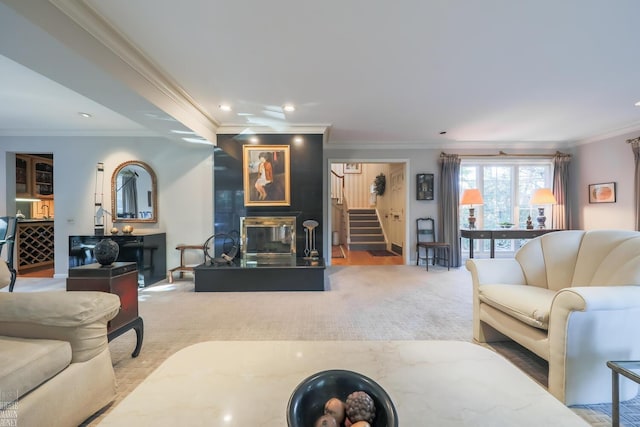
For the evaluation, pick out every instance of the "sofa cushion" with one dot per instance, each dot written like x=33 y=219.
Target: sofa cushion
x=529 y=304
x=549 y=261
x=27 y=363
x=608 y=257
x=79 y=317
x=54 y=308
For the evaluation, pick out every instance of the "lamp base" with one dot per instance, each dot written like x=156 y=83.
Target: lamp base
x=541 y=218
x=472 y=219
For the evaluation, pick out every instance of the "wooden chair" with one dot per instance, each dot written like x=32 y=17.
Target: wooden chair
x=427 y=244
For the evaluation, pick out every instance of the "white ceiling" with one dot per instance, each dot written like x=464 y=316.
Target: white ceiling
x=490 y=73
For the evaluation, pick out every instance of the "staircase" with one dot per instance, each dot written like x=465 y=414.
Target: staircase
x=365 y=231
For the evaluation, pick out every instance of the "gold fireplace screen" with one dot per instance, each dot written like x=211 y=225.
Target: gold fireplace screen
x=267 y=236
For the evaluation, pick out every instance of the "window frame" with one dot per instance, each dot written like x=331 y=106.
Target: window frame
x=507 y=247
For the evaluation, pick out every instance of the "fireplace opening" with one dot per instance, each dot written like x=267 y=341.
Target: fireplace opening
x=267 y=237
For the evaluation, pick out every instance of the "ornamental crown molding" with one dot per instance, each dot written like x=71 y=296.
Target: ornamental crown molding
x=93 y=23
x=290 y=129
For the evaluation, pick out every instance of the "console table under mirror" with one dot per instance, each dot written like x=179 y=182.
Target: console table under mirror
x=148 y=251
x=134 y=194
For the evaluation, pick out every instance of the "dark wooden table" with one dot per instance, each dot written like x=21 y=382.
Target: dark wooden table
x=120 y=278
x=498 y=234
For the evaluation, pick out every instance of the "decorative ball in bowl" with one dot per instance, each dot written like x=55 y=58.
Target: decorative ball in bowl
x=307 y=403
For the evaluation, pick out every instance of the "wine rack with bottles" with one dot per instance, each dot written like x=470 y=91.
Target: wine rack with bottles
x=35 y=244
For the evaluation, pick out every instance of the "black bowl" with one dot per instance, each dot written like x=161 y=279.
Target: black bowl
x=306 y=404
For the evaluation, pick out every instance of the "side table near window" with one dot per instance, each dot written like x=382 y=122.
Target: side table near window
x=629 y=369
x=498 y=234
x=120 y=278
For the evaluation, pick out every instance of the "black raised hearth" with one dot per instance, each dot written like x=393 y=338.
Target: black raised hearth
x=254 y=275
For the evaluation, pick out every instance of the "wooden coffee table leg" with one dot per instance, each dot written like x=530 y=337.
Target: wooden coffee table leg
x=139 y=328
x=137 y=325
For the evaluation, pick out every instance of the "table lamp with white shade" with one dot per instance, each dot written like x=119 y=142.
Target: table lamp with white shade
x=542 y=196
x=471 y=197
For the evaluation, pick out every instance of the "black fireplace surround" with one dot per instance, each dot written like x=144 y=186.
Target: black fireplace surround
x=272 y=257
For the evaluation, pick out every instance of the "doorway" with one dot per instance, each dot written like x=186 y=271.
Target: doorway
x=356 y=204
x=35 y=209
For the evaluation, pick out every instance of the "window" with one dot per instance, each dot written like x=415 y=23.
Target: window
x=506 y=187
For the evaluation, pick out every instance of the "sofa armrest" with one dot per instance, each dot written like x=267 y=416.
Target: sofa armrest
x=599 y=297
x=77 y=317
x=495 y=271
x=491 y=271
x=588 y=326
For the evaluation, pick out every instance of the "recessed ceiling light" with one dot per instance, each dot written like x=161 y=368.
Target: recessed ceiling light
x=637 y=104
x=225 y=107
x=253 y=140
x=289 y=108
x=85 y=115
x=298 y=140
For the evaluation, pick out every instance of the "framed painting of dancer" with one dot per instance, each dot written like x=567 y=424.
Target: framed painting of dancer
x=266 y=175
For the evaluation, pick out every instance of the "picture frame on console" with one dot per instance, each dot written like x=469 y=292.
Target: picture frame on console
x=266 y=175
x=602 y=193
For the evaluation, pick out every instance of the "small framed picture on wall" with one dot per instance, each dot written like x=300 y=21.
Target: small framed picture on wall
x=424 y=186
x=602 y=193
x=352 y=168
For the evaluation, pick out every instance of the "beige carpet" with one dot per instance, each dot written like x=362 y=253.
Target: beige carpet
x=362 y=303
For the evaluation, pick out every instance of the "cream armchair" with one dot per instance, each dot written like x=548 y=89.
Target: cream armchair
x=55 y=357
x=572 y=298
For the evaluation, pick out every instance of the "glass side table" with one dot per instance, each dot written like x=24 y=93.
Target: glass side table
x=627 y=368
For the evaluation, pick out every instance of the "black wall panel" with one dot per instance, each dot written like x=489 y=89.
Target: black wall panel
x=306 y=184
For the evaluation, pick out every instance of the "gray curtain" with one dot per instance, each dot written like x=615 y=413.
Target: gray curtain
x=635 y=146
x=130 y=196
x=448 y=201
x=561 y=211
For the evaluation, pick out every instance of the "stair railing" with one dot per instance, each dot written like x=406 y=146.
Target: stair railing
x=346 y=227
x=337 y=187
x=383 y=228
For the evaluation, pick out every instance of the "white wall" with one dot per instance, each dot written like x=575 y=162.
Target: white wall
x=185 y=182
x=417 y=161
x=185 y=179
x=607 y=160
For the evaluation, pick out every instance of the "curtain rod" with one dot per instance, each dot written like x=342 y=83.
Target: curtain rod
x=629 y=141
x=503 y=154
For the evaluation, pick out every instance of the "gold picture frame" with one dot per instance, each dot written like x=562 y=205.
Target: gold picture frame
x=266 y=175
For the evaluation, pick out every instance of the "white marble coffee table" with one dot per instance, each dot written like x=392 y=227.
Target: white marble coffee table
x=248 y=383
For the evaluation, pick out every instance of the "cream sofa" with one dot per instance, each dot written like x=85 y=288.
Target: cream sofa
x=54 y=356
x=572 y=298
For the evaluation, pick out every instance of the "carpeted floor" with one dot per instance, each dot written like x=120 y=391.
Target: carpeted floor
x=361 y=303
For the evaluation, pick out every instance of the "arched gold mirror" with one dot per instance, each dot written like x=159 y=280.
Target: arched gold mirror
x=134 y=196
